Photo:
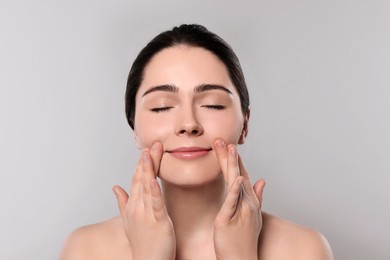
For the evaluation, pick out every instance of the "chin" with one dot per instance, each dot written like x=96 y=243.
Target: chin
x=190 y=173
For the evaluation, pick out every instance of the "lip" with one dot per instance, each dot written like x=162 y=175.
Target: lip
x=189 y=152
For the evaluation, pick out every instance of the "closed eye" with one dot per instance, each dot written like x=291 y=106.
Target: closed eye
x=215 y=107
x=160 y=109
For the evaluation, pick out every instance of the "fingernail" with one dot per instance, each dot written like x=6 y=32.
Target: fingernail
x=145 y=156
x=233 y=151
x=155 y=147
x=220 y=144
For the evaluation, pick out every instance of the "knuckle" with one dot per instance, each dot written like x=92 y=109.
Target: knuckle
x=249 y=208
x=245 y=174
x=146 y=190
x=137 y=179
x=135 y=212
x=158 y=207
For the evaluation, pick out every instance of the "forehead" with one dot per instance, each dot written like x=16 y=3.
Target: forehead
x=185 y=67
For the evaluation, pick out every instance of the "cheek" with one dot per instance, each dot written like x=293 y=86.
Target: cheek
x=227 y=128
x=149 y=131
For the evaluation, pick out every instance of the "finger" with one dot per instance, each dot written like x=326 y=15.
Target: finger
x=136 y=182
x=147 y=176
x=158 y=205
x=222 y=155
x=259 y=188
x=156 y=152
x=247 y=182
x=229 y=207
x=122 y=198
x=233 y=169
x=147 y=170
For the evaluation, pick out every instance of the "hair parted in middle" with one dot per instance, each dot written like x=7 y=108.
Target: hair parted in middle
x=192 y=35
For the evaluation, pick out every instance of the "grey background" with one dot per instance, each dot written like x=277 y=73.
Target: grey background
x=318 y=74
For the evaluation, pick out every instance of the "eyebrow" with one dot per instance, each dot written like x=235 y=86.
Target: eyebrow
x=165 y=88
x=208 y=87
x=199 y=89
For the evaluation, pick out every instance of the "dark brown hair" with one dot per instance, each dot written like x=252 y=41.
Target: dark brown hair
x=193 y=35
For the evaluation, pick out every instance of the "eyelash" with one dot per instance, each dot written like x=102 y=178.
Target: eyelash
x=160 y=109
x=215 y=107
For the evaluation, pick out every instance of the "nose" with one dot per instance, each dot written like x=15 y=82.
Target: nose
x=188 y=124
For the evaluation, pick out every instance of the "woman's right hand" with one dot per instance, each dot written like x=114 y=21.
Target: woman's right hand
x=147 y=224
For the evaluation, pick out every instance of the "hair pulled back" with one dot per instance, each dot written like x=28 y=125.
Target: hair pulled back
x=192 y=35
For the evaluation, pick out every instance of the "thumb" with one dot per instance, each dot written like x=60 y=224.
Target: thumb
x=122 y=197
x=259 y=188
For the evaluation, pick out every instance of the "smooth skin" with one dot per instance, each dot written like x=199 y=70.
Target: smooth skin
x=144 y=212
x=145 y=231
x=205 y=208
x=148 y=226
x=240 y=215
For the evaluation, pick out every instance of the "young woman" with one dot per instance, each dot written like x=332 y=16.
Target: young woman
x=188 y=105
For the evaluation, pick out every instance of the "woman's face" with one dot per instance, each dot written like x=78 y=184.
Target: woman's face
x=186 y=101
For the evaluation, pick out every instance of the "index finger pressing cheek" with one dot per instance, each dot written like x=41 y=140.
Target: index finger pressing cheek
x=233 y=169
x=147 y=171
x=156 y=152
x=222 y=155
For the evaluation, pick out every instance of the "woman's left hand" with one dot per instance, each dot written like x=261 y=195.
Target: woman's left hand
x=238 y=224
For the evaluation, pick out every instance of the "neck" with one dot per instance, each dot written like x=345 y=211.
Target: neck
x=193 y=210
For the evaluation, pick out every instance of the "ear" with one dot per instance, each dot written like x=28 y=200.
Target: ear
x=244 y=131
x=136 y=138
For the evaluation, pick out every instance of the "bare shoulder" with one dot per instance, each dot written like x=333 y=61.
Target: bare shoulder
x=281 y=239
x=103 y=240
